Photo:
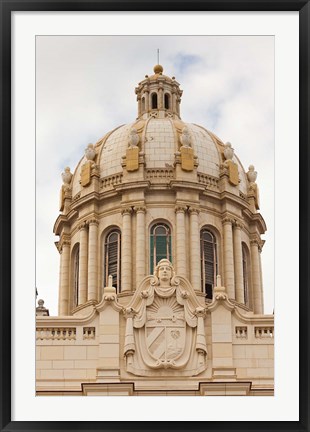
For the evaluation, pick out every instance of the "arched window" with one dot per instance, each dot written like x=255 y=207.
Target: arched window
x=112 y=259
x=245 y=274
x=208 y=262
x=154 y=100
x=76 y=266
x=160 y=244
x=167 y=101
x=143 y=104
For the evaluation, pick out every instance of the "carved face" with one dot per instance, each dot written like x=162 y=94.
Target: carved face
x=164 y=273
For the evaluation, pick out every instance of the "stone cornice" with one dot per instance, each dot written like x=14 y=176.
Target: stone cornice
x=257 y=219
x=66 y=321
x=132 y=185
x=64 y=220
x=172 y=184
x=232 y=197
x=92 y=196
x=182 y=184
x=65 y=240
x=255 y=319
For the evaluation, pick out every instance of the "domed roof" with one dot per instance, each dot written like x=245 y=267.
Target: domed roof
x=159 y=128
x=160 y=143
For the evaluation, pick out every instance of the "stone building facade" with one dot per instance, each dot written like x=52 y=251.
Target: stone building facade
x=160 y=286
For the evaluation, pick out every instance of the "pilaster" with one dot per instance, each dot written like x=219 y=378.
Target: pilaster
x=229 y=257
x=83 y=263
x=93 y=259
x=195 y=264
x=221 y=322
x=180 y=240
x=63 y=302
x=238 y=262
x=140 y=243
x=126 y=260
x=108 y=369
x=256 y=276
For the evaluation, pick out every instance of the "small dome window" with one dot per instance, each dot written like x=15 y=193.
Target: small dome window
x=154 y=100
x=167 y=101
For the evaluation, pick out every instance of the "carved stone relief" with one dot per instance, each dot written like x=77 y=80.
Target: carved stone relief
x=165 y=327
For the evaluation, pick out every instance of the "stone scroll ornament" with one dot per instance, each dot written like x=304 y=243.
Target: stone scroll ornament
x=132 y=153
x=165 y=327
x=187 y=154
x=232 y=167
x=90 y=154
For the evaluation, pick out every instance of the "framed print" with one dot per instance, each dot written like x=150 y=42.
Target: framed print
x=164 y=166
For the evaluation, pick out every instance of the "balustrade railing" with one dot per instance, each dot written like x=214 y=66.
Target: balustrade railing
x=112 y=180
x=207 y=180
x=264 y=332
x=241 y=332
x=89 y=332
x=57 y=333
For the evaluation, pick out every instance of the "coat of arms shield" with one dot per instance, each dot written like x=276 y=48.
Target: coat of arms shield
x=165 y=331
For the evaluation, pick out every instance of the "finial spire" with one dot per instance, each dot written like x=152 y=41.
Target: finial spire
x=157 y=55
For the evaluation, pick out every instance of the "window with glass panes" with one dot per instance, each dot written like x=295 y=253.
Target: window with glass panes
x=112 y=259
x=160 y=244
x=208 y=262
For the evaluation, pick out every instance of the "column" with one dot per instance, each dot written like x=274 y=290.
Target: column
x=239 y=288
x=139 y=105
x=140 y=244
x=93 y=260
x=178 y=105
x=147 y=100
x=83 y=264
x=126 y=259
x=63 y=300
x=180 y=241
x=160 y=98
x=195 y=261
x=261 y=277
x=228 y=258
x=256 y=279
x=174 y=100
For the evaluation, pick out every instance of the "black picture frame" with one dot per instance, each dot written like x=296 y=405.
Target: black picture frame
x=9 y=6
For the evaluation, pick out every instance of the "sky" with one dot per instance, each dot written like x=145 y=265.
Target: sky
x=85 y=88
